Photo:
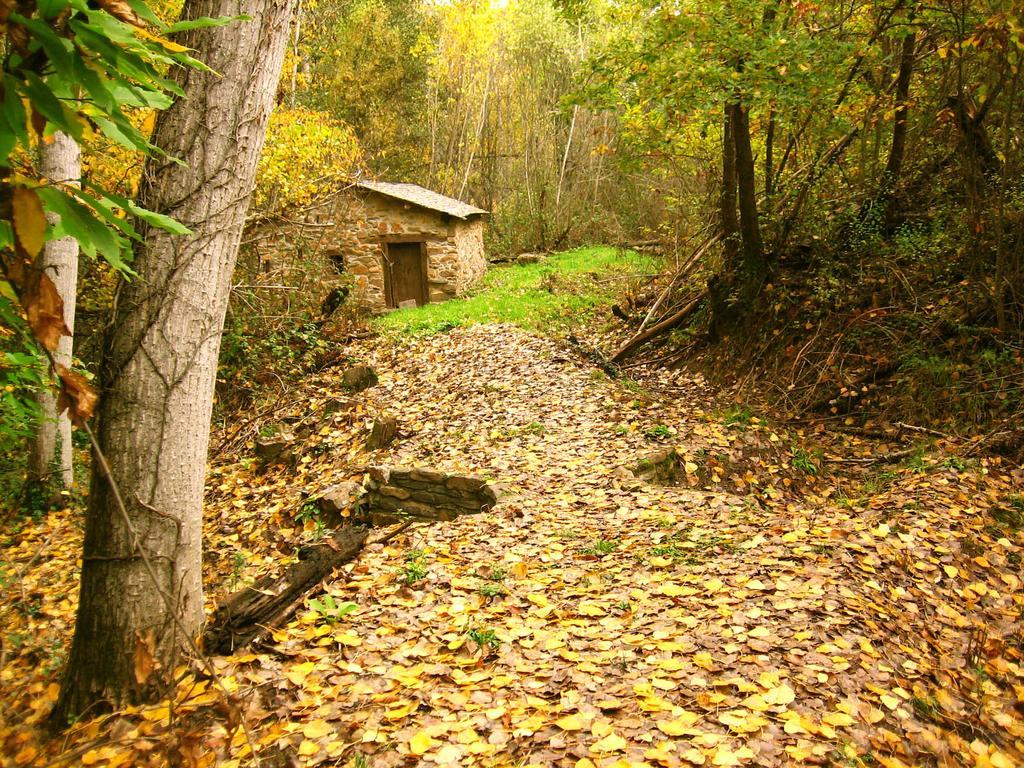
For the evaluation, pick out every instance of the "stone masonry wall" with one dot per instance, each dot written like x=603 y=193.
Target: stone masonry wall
x=469 y=243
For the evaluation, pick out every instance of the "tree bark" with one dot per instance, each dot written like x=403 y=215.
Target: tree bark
x=754 y=267
x=897 y=150
x=727 y=196
x=898 y=147
x=61 y=163
x=159 y=367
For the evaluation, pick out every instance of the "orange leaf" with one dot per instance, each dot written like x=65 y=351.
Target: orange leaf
x=76 y=395
x=143 y=658
x=44 y=309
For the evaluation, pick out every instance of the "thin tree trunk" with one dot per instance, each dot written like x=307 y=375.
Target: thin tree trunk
x=897 y=150
x=565 y=158
x=727 y=196
x=769 y=150
x=295 y=54
x=479 y=133
x=754 y=268
x=160 y=364
x=61 y=163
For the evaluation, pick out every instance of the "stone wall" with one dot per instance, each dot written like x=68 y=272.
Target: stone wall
x=354 y=224
x=426 y=494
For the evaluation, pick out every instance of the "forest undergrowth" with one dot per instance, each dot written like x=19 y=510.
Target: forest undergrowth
x=901 y=331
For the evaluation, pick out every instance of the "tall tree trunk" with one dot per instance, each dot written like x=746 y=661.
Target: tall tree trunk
x=754 y=267
x=898 y=148
x=160 y=363
x=61 y=162
x=769 y=155
x=720 y=287
x=727 y=197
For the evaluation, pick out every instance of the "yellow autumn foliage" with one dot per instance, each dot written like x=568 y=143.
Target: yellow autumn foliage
x=306 y=154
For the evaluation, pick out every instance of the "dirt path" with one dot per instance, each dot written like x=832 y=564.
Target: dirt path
x=640 y=623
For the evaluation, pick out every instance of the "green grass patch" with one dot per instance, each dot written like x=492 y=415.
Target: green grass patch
x=558 y=293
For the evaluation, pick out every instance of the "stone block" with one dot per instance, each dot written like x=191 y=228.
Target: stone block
x=427 y=475
x=470 y=484
x=337 y=499
x=397 y=493
x=358 y=378
x=276 y=448
x=383 y=433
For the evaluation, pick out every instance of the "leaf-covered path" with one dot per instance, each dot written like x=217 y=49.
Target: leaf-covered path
x=760 y=611
x=748 y=624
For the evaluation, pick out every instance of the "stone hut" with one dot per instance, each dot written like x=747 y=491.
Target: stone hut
x=386 y=245
x=405 y=245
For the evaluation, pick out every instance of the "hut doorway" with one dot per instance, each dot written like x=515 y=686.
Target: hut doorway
x=405 y=273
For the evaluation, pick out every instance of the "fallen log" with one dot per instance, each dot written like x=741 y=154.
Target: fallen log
x=251 y=613
x=671 y=322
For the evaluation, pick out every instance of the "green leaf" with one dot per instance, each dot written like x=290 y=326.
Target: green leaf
x=158 y=220
x=80 y=222
x=49 y=106
x=50 y=9
x=204 y=23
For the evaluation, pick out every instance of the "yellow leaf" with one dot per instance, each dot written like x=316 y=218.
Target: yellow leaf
x=725 y=756
x=29 y=220
x=800 y=751
x=317 y=729
x=163 y=42
x=693 y=755
x=838 y=719
x=610 y=743
x=704 y=660
x=421 y=743
x=569 y=723
x=350 y=639
x=875 y=715
x=308 y=748
x=399 y=712
x=742 y=722
x=679 y=725
x=449 y=754
x=298 y=673
x=674 y=590
x=781 y=694
x=890 y=701
x=951 y=570
x=793 y=726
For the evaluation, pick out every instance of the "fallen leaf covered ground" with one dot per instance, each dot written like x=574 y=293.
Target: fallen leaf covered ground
x=768 y=608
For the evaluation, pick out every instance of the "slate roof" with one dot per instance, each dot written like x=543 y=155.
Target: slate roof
x=425 y=198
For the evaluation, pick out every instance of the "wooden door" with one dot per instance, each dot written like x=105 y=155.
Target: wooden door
x=406 y=267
